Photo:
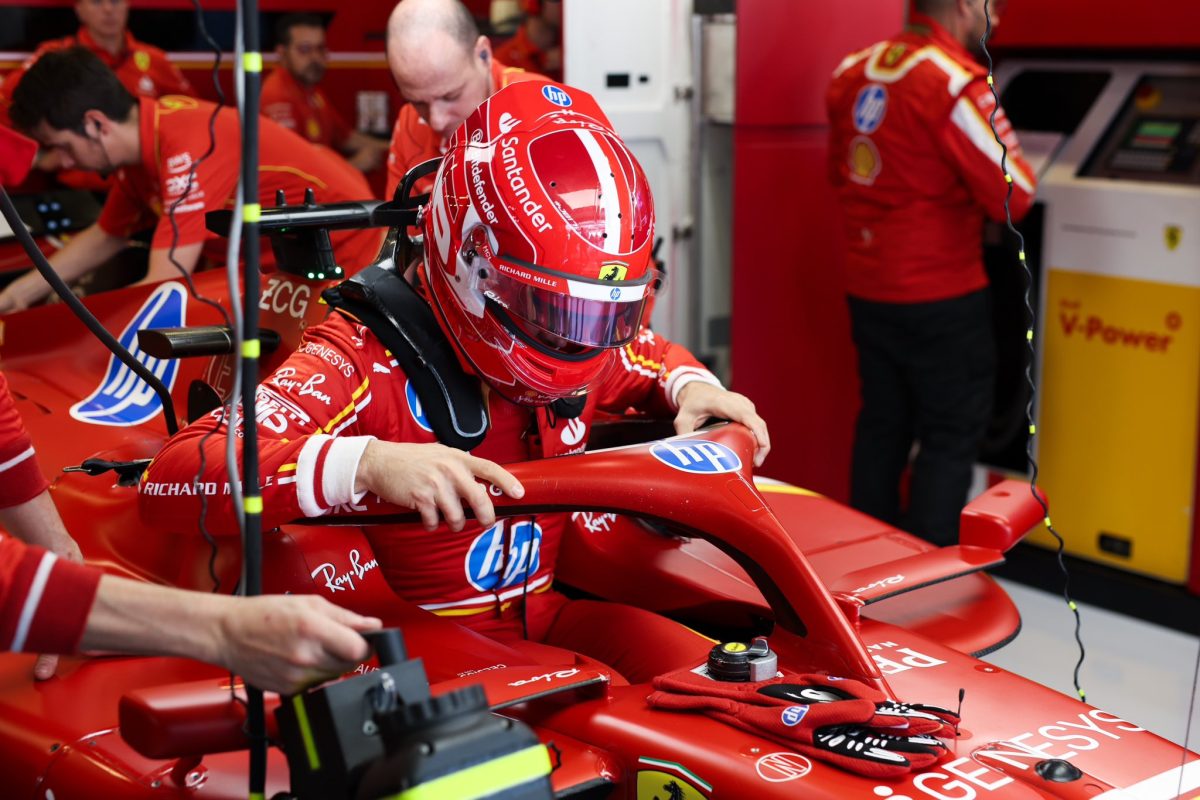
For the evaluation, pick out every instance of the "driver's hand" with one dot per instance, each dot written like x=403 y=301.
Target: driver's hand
x=700 y=402
x=435 y=480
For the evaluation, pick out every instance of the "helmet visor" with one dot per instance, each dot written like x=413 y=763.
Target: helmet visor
x=589 y=313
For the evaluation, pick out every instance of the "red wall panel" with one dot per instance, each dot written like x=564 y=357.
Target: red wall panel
x=791 y=349
x=1090 y=24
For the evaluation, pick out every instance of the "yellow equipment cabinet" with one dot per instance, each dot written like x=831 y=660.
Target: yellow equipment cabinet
x=1120 y=322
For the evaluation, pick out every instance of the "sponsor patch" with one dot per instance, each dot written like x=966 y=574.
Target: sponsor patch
x=782 y=767
x=496 y=561
x=793 y=715
x=865 y=163
x=557 y=96
x=613 y=272
x=415 y=408
x=697 y=456
x=667 y=780
x=507 y=122
x=870 y=107
x=123 y=399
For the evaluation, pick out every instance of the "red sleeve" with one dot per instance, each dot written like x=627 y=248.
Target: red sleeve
x=17 y=153
x=168 y=79
x=125 y=210
x=214 y=181
x=339 y=130
x=967 y=140
x=650 y=372
x=44 y=600
x=310 y=441
x=20 y=478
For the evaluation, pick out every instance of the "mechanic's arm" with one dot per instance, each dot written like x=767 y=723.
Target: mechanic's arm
x=278 y=643
x=162 y=268
x=968 y=142
x=86 y=251
x=37 y=522
x=365 y=153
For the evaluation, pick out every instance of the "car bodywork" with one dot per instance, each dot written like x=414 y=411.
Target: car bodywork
x=692 y=535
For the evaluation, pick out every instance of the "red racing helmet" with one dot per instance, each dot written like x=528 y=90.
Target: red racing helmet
x=538 y=238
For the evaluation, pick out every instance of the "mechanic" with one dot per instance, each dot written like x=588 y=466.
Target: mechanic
x=537 y=44
x=917 y=170
x=291 y=95
x=71 y=102
x=536 y=270
x=142 y=69
x=444 y=68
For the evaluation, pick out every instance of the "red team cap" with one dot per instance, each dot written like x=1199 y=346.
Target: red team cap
x=537 y=242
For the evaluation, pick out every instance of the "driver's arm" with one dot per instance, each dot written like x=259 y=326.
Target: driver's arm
x=663 y=378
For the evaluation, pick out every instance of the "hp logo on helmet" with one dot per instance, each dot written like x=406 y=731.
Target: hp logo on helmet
x=615 y=294
x=698 y=456
x=557 y=96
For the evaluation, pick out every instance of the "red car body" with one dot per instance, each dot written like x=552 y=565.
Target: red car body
x=847 y=594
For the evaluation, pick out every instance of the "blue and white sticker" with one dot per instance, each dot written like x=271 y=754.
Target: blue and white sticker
x=123 y=399
x=792 y=715
x=697 y=456
x=870 y=107
x=615 y=294
x=557 y=96
x=415 y=408
x=496 y=561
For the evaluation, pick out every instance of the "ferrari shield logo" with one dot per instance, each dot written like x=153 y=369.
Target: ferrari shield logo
x=613 y=272
x=1172 y=234
x=142 y=59
x=669 y=781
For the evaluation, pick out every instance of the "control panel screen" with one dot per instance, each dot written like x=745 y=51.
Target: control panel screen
x=1156 y=135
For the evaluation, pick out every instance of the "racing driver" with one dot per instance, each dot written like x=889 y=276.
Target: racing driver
x=536 y=269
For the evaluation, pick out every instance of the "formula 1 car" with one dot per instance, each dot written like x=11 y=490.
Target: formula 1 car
x=677 y=525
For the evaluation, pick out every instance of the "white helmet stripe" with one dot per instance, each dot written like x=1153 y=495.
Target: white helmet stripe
x=610 y=201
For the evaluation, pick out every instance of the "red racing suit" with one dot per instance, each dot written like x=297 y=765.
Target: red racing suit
x=44 y=600
x=414 y=142
x=340 y=390
x=916 y=166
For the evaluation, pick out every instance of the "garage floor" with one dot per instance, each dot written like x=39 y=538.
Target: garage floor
x=1137 y=670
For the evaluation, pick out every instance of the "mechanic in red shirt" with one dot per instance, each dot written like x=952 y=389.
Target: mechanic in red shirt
x=536 y=270
x=917 y=170
x=537 y=44
x=291 y=96
x=143 y=69
x=444 y=68
x=72 y=102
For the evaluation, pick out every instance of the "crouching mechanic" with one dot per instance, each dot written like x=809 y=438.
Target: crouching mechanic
x=536 y=270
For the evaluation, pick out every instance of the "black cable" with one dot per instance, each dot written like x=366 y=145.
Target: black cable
x=1031 y=316
x=77 y=307
x=252 y=503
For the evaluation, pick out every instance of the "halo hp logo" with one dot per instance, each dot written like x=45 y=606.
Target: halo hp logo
x=697 y=456
x=615 y=294
x=557 y=96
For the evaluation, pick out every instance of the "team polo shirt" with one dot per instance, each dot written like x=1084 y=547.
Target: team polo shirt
x=303 y=109
x=174 y=138
x=414 y=142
